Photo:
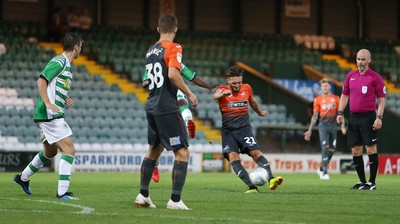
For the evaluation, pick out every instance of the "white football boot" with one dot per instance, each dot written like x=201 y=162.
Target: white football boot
x=177 y=205
x=325 y=177
x=143 y=201
x=320 y=173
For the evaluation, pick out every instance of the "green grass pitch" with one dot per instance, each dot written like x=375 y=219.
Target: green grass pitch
x=213 y=197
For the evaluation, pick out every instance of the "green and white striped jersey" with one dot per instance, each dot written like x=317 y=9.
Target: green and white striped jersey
x=59 y=76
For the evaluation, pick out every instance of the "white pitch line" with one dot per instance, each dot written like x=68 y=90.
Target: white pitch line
x=83 y=209
x=89 y=210
x=25 y=210
x=217 y=219
x=194 y=218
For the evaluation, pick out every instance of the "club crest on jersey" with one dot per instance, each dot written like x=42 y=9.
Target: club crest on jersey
x=364 y=89
x=174 y=140
x=155 y=51
x=239 y=104
x=67 y=84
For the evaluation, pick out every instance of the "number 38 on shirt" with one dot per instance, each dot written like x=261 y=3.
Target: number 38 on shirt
x=154 y=73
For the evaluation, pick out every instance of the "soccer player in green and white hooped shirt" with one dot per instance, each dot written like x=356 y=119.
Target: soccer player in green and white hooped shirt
x=53 y=85
x=183 y=106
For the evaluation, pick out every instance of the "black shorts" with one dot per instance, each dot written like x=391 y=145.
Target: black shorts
x=241 y=140
x=167 y=129
x=360 y=130
x=327 y=135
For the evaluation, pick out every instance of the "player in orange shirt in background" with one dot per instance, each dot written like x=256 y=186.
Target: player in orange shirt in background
x=325 y=106
x=237 y=135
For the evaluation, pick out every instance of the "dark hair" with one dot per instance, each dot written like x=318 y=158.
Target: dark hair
x=234 y=71
x=167 y=23
x=70 y=40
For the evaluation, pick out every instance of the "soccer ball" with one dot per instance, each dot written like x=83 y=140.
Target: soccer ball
x=258 y=176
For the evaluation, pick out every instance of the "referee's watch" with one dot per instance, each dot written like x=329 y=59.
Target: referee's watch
x=380 y=117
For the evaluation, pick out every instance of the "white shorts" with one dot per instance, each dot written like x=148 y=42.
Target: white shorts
x=55 y=130
x=181 y=96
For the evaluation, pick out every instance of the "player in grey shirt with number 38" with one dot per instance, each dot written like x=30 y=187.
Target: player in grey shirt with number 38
x=166 y=127
x=54 y=84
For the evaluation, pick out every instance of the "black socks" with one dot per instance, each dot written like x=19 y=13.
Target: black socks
x=179 y=172
x=242 y=173
x=146 y=172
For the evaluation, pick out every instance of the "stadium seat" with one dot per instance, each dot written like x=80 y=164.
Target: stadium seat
x=100 y=106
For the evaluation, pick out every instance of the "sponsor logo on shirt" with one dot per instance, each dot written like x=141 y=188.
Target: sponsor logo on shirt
x=328 y=106
x=239 y=104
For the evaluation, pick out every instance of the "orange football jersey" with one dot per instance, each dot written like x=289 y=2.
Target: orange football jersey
x=327 y=107
x=235 y=107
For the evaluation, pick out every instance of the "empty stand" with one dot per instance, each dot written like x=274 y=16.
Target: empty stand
x=106 y=118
